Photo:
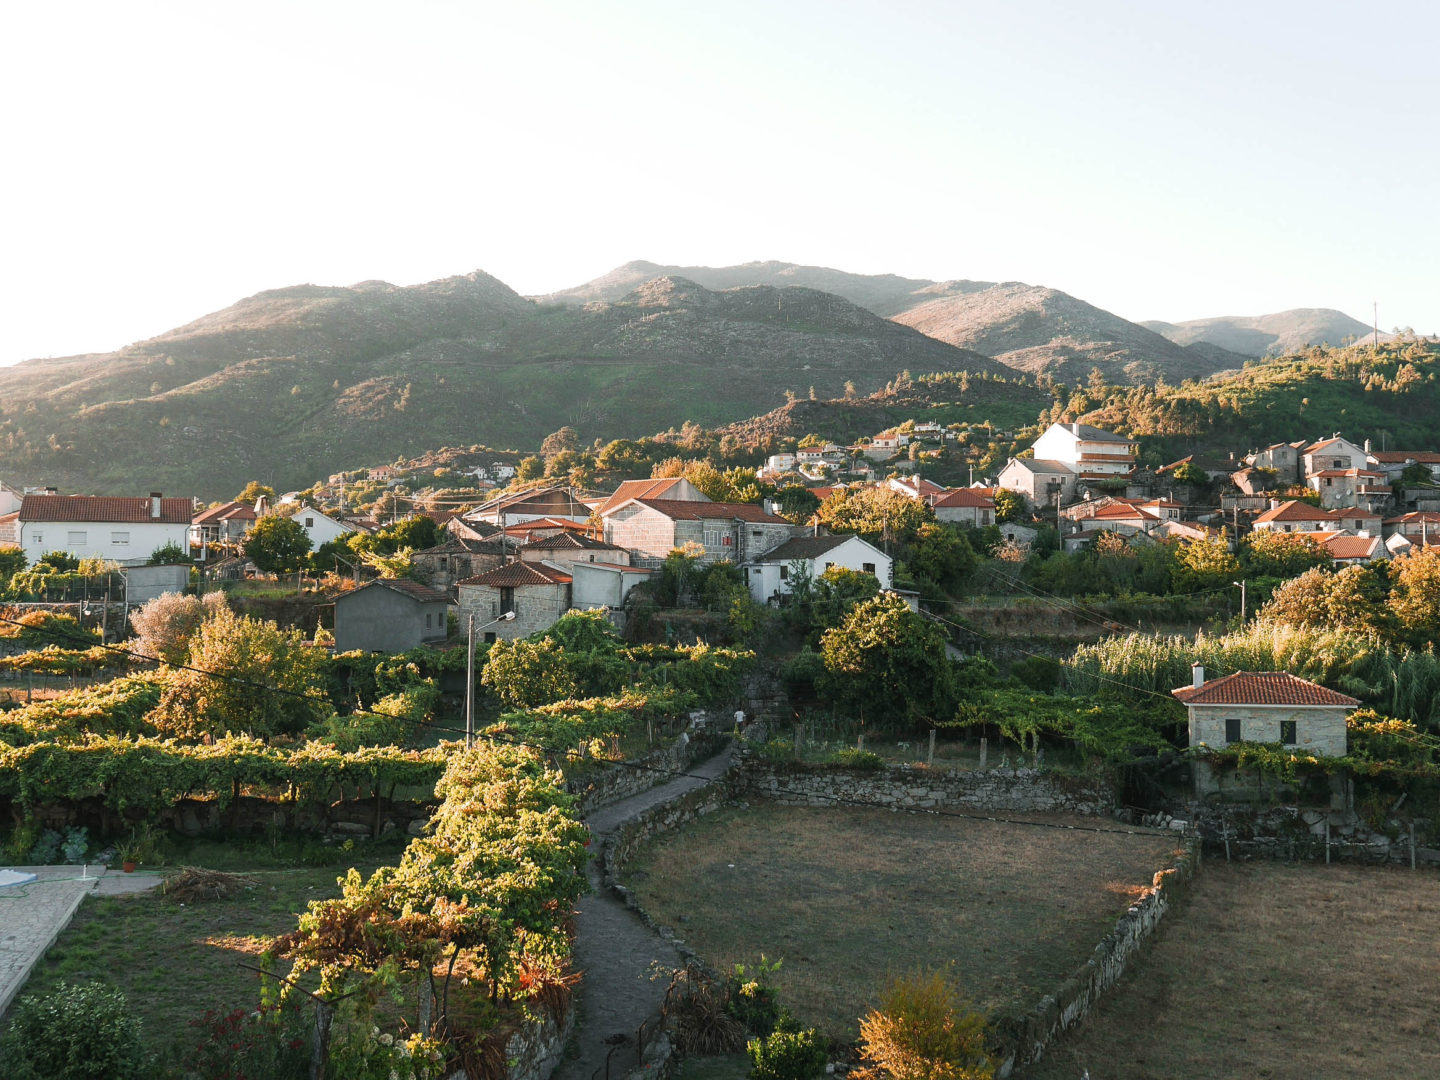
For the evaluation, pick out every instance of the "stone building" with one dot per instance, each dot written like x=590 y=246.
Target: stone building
x=390 y=615
x=537 y=593
x=1266 y=707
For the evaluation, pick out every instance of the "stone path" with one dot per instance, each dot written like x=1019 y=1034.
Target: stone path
x=615 y=950
x=32 y=915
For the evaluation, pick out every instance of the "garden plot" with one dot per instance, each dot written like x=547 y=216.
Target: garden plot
x=845 y=897
x=1286 y=972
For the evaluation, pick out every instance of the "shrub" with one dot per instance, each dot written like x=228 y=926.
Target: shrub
x=753 y=999
x=787 y=1055
x=923 y=1031
x=73 y=1033
x=859 y=760
x=270 y=1042
x=76 y=844
x=46 y=849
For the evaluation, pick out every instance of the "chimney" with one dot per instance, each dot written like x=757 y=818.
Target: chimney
x=1075 y=428
x=1367 y=446
x=1274 y=503
x=1197 y=676
x=52 y=491
x=155 y=505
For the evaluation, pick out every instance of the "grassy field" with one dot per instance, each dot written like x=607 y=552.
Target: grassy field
x=848 y=896
x=175 y=961
x=1279 y=972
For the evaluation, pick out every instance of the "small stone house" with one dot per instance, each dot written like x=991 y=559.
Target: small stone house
x=735 y=531
x=964 y=507
x=771 y=575
x=390 y=615
x=459 y=557
x=537 y=593
x=564 y=549
x=1266 y=707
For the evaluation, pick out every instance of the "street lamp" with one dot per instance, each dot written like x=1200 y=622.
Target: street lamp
x=470 y=674
x=1241 y=586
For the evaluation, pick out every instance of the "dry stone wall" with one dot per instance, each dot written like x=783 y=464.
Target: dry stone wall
x=617 y=782
x=916 y=787
x=1023 y=1039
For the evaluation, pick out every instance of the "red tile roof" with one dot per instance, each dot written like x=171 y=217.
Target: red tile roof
x=1352 y=547
x=230 y=511
x=107 y=508
x=1294 y=511
x=406 y=587
x=1261 y=688
x=640 y=489
x=1400 y=457
x=518 y=573
x=964 y=497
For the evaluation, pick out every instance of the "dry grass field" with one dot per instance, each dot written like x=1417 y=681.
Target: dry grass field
x=1280 y=972
x=847 y=896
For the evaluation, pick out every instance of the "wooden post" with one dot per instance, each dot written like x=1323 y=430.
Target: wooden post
x=1412 y=845
x=930 y=759
x=799 y=739
x=860 y=742
x=984 y=751
x=1327 y=843
x=1225 y=835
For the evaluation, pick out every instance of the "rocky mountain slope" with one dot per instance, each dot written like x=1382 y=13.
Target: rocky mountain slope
x=295 y=383
x=1267 y=335
x=1035 y=329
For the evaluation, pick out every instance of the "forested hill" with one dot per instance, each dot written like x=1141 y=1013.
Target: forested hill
x=296 y=383
x=1390 y=396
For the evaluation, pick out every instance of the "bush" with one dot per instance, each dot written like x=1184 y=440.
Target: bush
x=859 y=760
x=271 y=1042
x=923 y=1031
x=73 y=1033
x=787 y=1055
x=752 y=998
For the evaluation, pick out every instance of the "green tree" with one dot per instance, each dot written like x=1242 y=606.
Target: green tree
x=796 y=503
x=1191 y=474
x=168 y=555
x=529 y=673
x=1351 y=599
x=254 y=491
x=75 y=1032
x=1009 y=505
x=940 y=555
x=1415 y=599
x=1203 y=564
x=530 y=468
x=924 y=1031
x=558 y=442
x=1267 y=553
x=165 y=625
x=277 y=544
x=244 y=676
x=889 y=664
x=877 y=514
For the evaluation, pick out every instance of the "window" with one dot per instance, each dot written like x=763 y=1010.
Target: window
x=120 y=539
x=1287 y=732
x=76 y=539
x=1232 y=730
x=1329 y=482
x=428 y=622
x=784 y=573
x=868 y=567
x=712 y=538
x=309 y=523
x=507 y=600
x=38 y=538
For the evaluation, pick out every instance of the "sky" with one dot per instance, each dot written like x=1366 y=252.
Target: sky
x=1162 y=161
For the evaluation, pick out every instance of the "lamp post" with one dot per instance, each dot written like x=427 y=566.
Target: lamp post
x=470 y=674
x=1241 y=586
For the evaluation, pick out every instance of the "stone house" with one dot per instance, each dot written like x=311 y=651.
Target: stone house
x=1350 y=550
x=537 y=593
x=390 y=615
x=1349 y=487
x=564 y=549
x=1394 y=462
x=676 y=488
x=1266 y=707
x=772 y=574
x=605 y=585
x=1331 y=454
x=1044 y=483
x=1294 y=516
x=652 y=528
x=1282 y=458
x=964 y=507
x=459 y=557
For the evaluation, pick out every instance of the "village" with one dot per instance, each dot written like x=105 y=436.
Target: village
x=829 y=628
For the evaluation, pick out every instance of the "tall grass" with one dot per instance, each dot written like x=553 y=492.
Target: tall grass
x=1398 y=681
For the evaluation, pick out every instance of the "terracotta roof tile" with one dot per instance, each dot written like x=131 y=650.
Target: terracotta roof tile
x=964 y=497
x=713 y=511
x=1261 y=688
x=1294 y=511
x=406 y=587
x=108 y=508
x=519 y=573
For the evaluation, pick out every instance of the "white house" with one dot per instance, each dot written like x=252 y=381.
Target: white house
x=123 y=528
x=772 y=574
x=320 y=527
x=1091 y=453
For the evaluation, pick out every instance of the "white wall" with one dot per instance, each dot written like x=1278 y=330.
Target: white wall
x=124 y=541
x=320 y=528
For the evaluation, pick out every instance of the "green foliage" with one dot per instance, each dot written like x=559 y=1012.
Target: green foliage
x=118 y=707
x=1205 y=564
x=59 y=561
x=924 y=1031
x=1009 y=505
x=1191 y=474
x=165 y=625
x=253 y=492
x=242 y=675
x=1268 y=553
x=277 y=544
x=788 y=1055
x=875 y=513
x=168 y=554
x=76 y=1032
x=856 y=760
x=796 y=503
x=938 y=557
x=528 y=673
x=752 y=998
x=889 y=664
x=12 y=561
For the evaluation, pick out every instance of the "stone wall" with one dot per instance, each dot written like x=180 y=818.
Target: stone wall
x=615 y=782
x=916 y=787
x=535 y=1048
x=1297 y=832
x=1022 y=1039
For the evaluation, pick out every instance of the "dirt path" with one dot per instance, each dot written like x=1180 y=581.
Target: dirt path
x=615 y=950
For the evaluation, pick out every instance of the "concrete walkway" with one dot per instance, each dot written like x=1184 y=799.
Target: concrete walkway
x=32 y=915
x=615 y=950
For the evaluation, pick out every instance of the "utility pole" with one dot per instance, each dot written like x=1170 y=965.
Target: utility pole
x=1241 y=586
x=470 y=684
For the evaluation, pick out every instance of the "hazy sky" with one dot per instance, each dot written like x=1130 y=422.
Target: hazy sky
x=1161 y=160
